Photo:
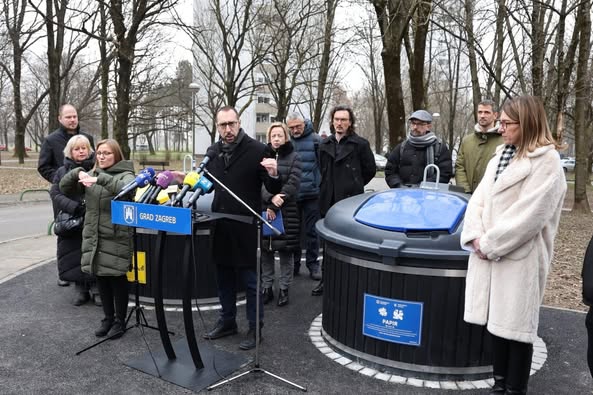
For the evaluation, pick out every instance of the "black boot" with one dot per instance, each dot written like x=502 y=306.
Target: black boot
x=106 y=324
x=499 y=386
x=221 y=329
x=81 y=298
x=117 y=329
x=519 y=367
x=500 y=359
x=267 y=295
x=283 y=297
x=249 y=342
x=318 y=290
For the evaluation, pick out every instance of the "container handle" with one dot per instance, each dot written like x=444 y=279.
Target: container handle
x=429 y=184
x=191 y=163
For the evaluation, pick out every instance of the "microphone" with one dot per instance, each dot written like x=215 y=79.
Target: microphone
x=201 y=166
x=210 y=153
x=147 y=192
x=162 y=182
x=141 y=180
x=189 y=182
x=203 y=186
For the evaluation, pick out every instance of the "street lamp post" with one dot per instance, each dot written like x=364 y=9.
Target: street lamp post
x=194 y=89
x=436 y=116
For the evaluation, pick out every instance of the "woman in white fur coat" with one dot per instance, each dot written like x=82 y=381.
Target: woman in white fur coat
x=510 y=225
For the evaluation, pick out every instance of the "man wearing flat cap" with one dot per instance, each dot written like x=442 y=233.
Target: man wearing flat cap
x=406 y=163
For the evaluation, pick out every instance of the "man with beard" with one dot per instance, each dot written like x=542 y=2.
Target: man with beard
x=346 y=163
x=240 y=163
x=406 y=163
x=477 y=148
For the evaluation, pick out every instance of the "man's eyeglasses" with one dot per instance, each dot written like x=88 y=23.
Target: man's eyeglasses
x=104 y=153
x=224 y=125
x=416 y=123
x=505 y=123
x=296 y=127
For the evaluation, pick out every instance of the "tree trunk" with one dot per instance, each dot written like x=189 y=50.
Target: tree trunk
x=471 y=54
x=583 y=98
x=324 y=66
x=417 y=59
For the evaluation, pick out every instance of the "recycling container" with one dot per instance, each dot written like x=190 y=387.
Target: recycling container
x=394 y=281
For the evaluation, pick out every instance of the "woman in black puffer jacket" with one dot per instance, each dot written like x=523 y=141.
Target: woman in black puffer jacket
x=77 y=153
x=289 y=170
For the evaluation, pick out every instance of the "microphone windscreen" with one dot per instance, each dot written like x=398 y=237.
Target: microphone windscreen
x=191 y=179
x=164 y=179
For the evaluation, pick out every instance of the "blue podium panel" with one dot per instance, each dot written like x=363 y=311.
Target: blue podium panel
x=392 y=320
x=166 y=218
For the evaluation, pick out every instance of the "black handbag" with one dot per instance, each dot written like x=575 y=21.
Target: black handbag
x=67 y=224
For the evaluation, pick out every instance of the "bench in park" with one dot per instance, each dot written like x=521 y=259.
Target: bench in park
x=147 y=162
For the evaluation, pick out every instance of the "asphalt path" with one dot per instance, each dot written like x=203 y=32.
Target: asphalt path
x=24 y=220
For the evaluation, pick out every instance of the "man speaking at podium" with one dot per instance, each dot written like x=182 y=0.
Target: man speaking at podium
x=240 y=163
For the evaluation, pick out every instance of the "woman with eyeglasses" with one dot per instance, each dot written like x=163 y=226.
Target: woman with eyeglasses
x=106 y=248
x=510 y=224
x=78 y=153
x=289 y=169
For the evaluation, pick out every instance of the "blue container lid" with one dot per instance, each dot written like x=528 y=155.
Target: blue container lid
x=409 y=210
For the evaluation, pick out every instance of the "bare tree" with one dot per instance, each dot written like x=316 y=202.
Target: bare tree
x=130 y=22
x=291 y=27
x=582 y=103
x=370 y=44
x=22 y=28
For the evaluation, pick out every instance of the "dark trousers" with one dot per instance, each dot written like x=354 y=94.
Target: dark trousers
x=227 y=293
x=309 y=214
x=511 y=364
x=589 y=325
x=114 y=296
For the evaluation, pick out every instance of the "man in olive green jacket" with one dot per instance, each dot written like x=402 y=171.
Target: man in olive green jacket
x=477 y=148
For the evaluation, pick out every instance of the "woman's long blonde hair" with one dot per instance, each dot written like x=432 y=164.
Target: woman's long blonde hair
x=534 y=131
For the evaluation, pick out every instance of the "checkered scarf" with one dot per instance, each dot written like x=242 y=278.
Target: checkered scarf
x=507 y=154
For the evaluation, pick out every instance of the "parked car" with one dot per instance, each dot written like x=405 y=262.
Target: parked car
x=3 y=147
x=380 y=161
x=567 y=164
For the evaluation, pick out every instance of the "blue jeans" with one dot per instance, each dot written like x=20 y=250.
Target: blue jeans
x=227 y=293
x=309 y=213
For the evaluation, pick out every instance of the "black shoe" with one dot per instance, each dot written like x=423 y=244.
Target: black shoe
x=249 y=342
x=318 y=290
x=267 y=295
x=106 y=324
x=283 y=297
x=63 y=283
x=81 y=298
x=221 y=329
x=117 y=329
x=499 y=386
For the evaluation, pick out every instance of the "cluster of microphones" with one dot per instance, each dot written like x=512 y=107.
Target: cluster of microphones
x=194 y=181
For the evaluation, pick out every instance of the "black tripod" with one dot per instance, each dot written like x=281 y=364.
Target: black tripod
x=138 y=309
x=256 y=368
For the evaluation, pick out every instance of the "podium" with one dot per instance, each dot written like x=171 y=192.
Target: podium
x=181 y=362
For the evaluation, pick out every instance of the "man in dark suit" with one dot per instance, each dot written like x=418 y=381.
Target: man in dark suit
x=240 y=163
x=51 y=156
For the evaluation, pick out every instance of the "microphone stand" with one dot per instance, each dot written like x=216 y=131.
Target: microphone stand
x=256 y=368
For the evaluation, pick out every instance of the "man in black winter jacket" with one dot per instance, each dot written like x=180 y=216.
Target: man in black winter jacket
x=406 y=163
x=51 y=156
